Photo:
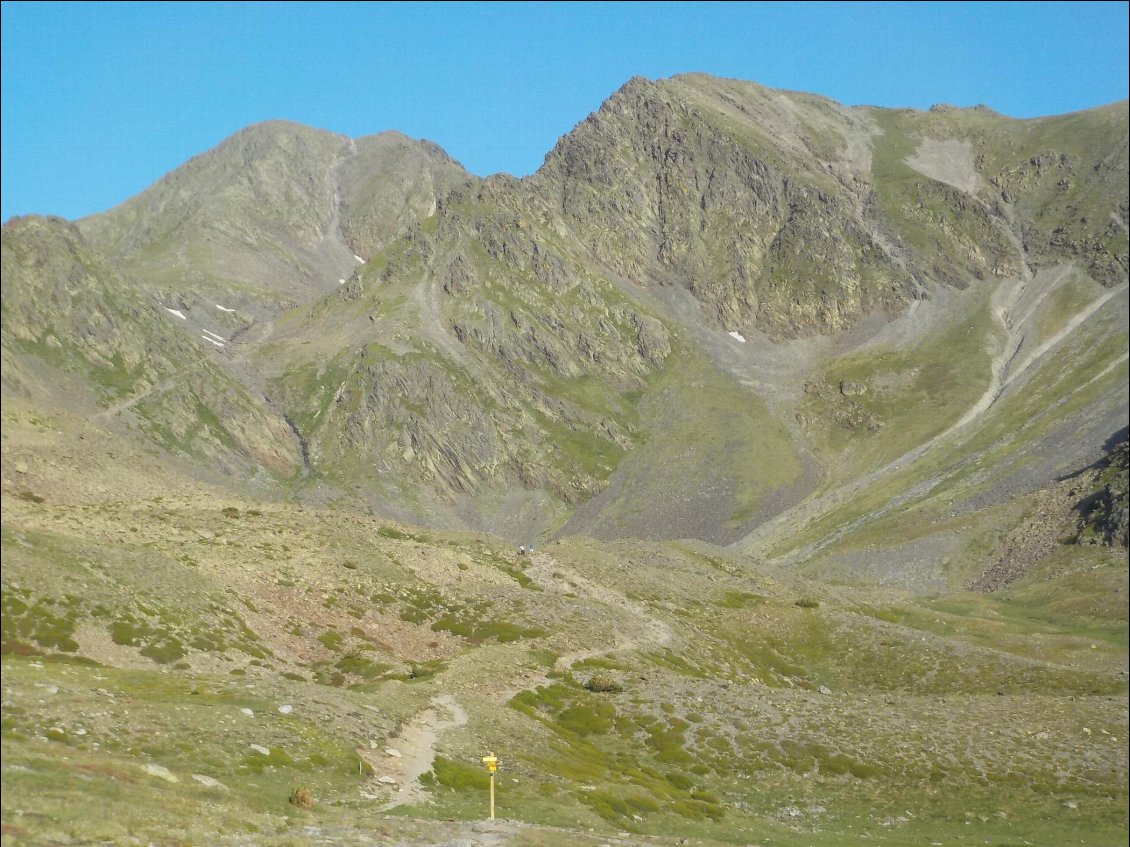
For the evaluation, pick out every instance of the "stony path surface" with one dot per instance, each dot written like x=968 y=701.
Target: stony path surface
x=413 y=749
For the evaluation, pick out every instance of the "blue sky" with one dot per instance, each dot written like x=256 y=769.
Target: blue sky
x=100 y=100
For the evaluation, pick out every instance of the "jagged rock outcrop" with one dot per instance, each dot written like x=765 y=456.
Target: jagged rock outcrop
x=1104 y=516
x=665 y=189
x=65 y=305
x=367 y=316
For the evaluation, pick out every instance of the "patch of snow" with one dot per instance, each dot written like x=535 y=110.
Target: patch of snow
x=358 y=258
x=176 y=312
x=208 y=781
x=341 y=282
x=224 y=308
x=259 y=748
x=738 y=336
x=285 y=710
x=209 y=332
x=212 y=341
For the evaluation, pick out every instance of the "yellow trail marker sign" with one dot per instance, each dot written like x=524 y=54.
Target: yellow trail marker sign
x=492 y=765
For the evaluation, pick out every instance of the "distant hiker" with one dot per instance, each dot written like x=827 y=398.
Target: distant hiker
x=531 y=549
x=521 y=549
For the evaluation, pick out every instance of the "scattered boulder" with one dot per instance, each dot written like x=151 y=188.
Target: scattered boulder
x=160 y=772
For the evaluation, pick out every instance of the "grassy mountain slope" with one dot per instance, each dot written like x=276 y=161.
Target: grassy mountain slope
x=162 y=643
x=271 y=217
x=526 y=329
x=815 y=415
x=77 y=335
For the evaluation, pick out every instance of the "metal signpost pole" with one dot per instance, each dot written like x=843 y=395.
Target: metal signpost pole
x=492 y=765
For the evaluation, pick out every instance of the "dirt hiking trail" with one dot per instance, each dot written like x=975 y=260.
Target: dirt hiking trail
x=413 y=748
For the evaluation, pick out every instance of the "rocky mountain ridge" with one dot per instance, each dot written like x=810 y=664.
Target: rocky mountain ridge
x=811 y=422
x=379 y=325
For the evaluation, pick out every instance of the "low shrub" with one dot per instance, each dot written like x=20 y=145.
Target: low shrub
x=302 y=798
x=602 y=683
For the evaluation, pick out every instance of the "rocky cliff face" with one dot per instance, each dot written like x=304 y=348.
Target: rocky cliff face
x=675 y=183
x=366 y=317
x=118 y=351
x=1105 y=514
x=272 y=217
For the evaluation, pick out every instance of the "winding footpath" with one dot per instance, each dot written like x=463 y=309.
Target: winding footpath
x=414 y=746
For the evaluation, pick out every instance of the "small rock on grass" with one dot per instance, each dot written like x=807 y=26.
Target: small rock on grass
x=160 y=772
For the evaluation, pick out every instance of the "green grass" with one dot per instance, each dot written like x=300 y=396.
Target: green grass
x=1015 y=422
x=709 y=736
x=913 y=394
x=702 y=430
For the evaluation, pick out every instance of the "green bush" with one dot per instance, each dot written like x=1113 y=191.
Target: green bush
x=358 y=665
x=588 y=718
x=618 y=805
x=460 y=776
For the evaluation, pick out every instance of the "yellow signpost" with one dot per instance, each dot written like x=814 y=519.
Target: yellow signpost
x=492 y=765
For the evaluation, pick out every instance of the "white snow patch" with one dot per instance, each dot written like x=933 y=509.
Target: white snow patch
x=260 y=749
x=209 y=332
x=212 y=341
x=358 y=258
x=341 y=282
x=224 y=308
x=177 y=313
x=286 y=710
x=738 y=336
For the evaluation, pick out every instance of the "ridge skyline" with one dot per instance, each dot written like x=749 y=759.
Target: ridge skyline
x=100 y=100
